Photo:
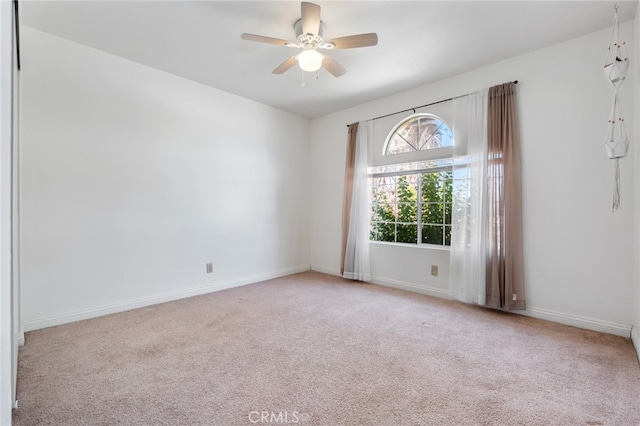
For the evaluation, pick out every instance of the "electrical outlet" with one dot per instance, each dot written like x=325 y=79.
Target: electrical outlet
x=434 y=270
x=209 y=268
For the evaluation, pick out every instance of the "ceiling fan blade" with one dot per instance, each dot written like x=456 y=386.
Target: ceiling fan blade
x=310 y=18
x=263 y=39
x=285 y=65
x=333 y=66
x=359 y=40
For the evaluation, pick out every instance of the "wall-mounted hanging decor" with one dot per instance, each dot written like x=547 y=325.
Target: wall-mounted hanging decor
x=615 y=68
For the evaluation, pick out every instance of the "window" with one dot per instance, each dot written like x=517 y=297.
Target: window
x=420 y=132
x=411 y=200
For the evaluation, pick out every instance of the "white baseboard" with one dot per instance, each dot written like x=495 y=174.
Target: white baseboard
x=21 y=339
x=635 y=338
x=558 y=317
x=386 y=282
x=573 y=320
x=326 y=270
x=578 y=321
x=594 y=324
x=424 y=289
x=44 y=322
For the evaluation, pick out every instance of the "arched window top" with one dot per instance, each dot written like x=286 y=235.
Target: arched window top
x=419 y=132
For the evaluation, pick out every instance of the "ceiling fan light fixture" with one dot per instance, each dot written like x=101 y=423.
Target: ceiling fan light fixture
x=309 y=31
x=310 y=60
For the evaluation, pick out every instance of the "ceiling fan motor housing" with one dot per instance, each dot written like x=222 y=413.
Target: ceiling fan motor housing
x=310 y=59
x=309 y=39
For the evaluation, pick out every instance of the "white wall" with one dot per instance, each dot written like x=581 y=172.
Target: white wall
x=133 y=179
x=578 y=254
x=635 y=335
x=18 y=333
x=7 y=341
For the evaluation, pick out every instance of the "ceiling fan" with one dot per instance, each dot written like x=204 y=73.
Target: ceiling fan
x=309 y=30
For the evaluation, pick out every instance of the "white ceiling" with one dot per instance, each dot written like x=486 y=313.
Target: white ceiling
x=419 y=41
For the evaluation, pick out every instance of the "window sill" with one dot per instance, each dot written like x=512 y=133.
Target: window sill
x=419 y=246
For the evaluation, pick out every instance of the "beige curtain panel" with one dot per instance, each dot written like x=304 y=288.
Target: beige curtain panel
x=505 y=271
x=348 y=189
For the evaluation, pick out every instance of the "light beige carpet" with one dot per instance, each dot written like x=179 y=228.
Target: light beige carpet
x=312 y=349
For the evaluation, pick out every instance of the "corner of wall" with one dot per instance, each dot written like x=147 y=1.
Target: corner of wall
x=326 y=270
x=635 y=338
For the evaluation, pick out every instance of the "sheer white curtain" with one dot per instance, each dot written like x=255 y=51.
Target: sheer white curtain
x=467 y=269
x=357 y=265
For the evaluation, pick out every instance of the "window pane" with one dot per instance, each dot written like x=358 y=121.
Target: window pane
x=407 y=188
x=431 y=187
x=407 y=234
x=385 y=213
x=383 y=189
x=407 y=196
x=447 y=217
x=373 y=231
x=430 y=135
x=408 y=212
x=419 y=132
x=383 y=232
x=447 y=186
x=398 y=200
x=384 y=194
x=409 y=132
x=432 y=234
x=397 y=144
x=433 y=213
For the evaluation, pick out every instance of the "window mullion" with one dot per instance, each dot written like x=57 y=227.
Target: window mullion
x=446 y=168
x=396 y=207
x=419 y=215
x=443 y=199
x=431 y=135
x=407 y=141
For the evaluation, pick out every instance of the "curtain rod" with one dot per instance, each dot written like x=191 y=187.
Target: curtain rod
x=422 y=106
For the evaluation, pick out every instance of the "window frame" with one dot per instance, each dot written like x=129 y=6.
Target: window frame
x=417 y=155
x=411 y=159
